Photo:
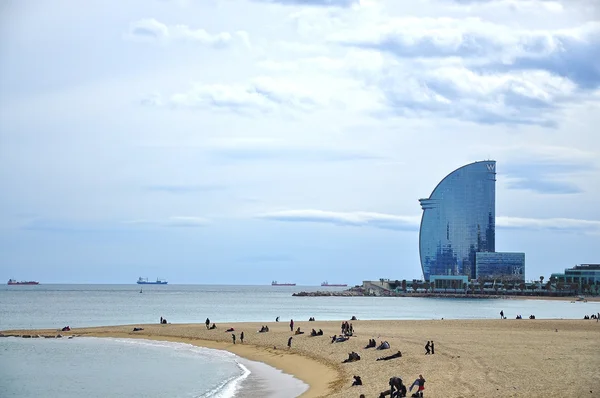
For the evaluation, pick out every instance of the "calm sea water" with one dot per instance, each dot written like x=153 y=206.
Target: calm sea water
x=126 y=368
x=92 y=367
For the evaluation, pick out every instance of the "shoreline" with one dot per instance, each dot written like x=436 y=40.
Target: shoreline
x=315 y=373
x=501 y=358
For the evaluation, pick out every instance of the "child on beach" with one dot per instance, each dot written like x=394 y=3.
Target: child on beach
x=420 y=383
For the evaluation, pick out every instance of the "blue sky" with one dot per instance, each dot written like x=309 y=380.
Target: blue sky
x=241 y=141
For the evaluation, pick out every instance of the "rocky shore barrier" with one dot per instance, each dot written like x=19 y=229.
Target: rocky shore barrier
x=357 y=293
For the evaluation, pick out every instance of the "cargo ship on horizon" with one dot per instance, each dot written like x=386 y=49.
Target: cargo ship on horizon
x=145 y=281
x=274 y=283
x=333 y=284
x=14 y=282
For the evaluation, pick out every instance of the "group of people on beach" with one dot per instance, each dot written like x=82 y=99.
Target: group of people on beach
x=593 y=316
x=347 y=329
x=397 y=388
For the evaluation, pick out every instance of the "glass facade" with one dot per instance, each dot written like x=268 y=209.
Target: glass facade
x=459 y=221
x=582 y=274
x=501 y=266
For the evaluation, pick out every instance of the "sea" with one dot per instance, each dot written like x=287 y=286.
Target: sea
x=108 y=367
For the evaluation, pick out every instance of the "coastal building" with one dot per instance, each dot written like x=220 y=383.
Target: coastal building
x=459 y=221
x=503 y=266
x=583 y=274
x=454 y=282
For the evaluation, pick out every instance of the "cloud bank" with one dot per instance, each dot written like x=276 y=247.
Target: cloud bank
x=411 y=223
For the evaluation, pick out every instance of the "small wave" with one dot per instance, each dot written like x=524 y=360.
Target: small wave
x=228 y=388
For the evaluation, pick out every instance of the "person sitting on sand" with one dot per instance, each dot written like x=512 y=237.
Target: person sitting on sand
x=298 y=331
x=357 y=381
x=393 y=356
x=372 y=343
x=213 y=326
x=262 y=329
x=313 y=333
x=320 y=332
x=333 y=338
x=352 y=357
x=383 y=346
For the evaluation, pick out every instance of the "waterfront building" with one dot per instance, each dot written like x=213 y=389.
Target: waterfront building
x=502 y=266
x=454 y=282
x=459 y=221
x=583 y=274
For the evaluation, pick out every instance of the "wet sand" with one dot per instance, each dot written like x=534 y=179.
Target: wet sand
x=473 y=358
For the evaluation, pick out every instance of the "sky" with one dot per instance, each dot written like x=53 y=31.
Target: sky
x=245 y=141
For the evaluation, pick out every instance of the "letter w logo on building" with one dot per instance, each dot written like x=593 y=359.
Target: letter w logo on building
x=491 y=166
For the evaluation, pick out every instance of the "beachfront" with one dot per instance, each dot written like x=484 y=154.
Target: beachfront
x=491 y=358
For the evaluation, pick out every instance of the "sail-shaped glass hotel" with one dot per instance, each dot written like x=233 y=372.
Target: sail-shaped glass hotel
x=459 y=221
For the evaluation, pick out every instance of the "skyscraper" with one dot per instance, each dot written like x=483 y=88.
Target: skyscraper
x=459 y=221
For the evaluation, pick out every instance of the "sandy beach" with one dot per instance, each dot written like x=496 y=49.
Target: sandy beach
x=473 y=358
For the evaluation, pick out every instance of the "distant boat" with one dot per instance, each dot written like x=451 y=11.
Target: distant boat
x=14 y=282
x=145 y=281
x=333 y=284
x=274 y=283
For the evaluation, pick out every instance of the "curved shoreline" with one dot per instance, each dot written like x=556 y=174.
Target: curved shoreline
x=319 y=375
x=473 y=358
x=312 y=372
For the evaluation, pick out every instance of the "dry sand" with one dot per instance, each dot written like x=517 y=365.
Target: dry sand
x=473 y=358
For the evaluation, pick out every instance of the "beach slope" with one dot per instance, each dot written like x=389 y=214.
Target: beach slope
x=473 y=358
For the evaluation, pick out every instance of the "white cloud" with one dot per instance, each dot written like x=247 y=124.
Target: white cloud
x=152 y=30
x=262 y=94
x=356 y=219
x=561 y=224
x=410 y=223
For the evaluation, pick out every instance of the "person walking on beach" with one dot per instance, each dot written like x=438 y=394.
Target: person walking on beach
x=420 y=383
x=207 y=323
x=291 y=325
x=427 y=350
x=432 y=348
x=277 y=319
x=242 y=337
x=290 y=342
x=233 y=337
x=501 y=314
x=161 y=320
